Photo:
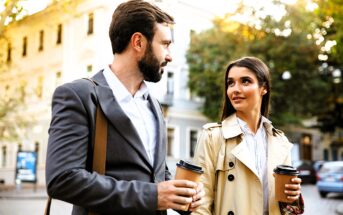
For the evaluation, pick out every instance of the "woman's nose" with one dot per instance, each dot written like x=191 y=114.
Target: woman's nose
x=237 y=88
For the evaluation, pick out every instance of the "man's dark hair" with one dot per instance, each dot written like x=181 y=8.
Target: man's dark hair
x=135 y=16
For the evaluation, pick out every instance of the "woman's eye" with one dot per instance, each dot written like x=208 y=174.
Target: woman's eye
x=246 y=81
x=230 y=83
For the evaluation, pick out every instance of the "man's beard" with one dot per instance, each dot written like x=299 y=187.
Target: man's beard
x=150 y=67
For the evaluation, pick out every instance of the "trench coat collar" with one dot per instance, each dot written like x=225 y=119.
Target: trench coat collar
x=232 y=129
x=278 y=145
x=117 y=117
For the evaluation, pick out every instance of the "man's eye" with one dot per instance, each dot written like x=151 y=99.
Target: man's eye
x=166 y=44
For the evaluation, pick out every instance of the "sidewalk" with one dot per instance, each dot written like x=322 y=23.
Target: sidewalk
x=28 y=192
x=23 y=193
x=339 y=209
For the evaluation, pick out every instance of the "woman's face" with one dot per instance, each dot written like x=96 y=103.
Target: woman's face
x=243 y=90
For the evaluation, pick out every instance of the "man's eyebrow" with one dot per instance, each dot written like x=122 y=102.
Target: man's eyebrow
x=167 y=41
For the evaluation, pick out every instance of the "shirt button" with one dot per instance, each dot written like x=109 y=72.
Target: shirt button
x=230 y=213
x=231 y=177
x=231 y=164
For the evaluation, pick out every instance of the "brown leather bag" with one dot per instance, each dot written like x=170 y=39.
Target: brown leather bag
x=99 y=148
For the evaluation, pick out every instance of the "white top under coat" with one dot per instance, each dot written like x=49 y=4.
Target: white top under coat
x=257 y=145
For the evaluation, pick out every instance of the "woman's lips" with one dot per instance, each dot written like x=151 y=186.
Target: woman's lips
x=237 y=99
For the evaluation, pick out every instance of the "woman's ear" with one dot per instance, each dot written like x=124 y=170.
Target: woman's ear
x=264 y=91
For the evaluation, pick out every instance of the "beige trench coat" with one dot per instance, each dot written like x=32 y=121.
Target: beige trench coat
x=231 y=184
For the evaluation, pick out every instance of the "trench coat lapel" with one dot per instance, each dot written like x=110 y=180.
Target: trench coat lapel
x=232 y=129
x=278 y=150
x=116 y=116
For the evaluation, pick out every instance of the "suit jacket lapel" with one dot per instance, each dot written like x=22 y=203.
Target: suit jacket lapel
x=160 y=147
x=116 y=116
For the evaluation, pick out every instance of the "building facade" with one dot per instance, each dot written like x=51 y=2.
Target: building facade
x=65 y=42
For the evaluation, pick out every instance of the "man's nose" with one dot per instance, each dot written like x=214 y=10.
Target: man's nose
x=168 y=58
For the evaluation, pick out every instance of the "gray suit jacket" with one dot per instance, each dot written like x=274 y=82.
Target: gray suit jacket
x=129 y=184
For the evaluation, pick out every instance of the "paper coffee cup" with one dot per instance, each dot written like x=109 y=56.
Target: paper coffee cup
x=188 y=171
x=283 y=175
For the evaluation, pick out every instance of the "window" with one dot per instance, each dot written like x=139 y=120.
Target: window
x=171 y=134
x=193 y=136
x=59 y=34
x=24 y=47
x=90 y=23
x=172 y=34
x=9 y=53
x=37 y=147
x=41 y=41
x=170 y=83
x=89 y=69
x=22 y=90
x=58 y=78
x=4 y=156
x=39 y=88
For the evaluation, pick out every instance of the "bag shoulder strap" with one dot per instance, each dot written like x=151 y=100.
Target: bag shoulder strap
x=99 y=146
x=100 y=139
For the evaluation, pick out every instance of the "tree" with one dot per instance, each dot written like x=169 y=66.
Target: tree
x=11 y=121
x=285 y=45
x=330 y=13
x=12 y=9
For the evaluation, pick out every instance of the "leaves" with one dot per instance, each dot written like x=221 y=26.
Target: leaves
x=300 y=97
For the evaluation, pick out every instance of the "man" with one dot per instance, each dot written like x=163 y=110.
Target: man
x=137 y=180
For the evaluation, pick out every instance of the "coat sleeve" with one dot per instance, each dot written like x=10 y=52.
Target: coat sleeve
x=66 y=175
x=206 y=158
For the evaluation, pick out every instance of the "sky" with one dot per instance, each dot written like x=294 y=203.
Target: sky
x=215 y=7
x=210 y=8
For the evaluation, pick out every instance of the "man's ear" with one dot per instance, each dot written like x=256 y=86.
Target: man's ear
x=138 y=42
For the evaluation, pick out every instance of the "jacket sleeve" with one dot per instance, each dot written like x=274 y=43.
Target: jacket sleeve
x=298 y=206
x=205 y=157
x=66 y=175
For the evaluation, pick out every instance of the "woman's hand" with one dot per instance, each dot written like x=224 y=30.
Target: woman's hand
x=197 y=198
x=293 y=190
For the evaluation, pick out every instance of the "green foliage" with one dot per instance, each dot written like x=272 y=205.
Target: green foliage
x=328 y=11
x=10 y=121
x=300 y=97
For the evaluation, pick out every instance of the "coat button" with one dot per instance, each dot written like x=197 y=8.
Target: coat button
x=231 y=164
x=231 y=177
x=230 y=213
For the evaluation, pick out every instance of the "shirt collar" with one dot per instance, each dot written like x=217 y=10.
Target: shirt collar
x=119 y=90
x=244 y=126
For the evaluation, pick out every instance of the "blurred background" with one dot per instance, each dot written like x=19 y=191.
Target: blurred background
x=45 y=43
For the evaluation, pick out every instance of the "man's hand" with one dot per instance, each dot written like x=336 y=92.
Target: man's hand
x=197 y=198
x=177 y=194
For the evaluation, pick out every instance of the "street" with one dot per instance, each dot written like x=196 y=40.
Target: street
x=35 y=206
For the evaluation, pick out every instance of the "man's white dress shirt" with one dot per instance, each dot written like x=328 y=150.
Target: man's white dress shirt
x=138 y=108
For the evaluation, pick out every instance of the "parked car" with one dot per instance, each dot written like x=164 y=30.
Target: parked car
x=307 y=173
x=317 y=165
x=330 y=178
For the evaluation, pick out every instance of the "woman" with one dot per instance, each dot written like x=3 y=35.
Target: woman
x=239 y=154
